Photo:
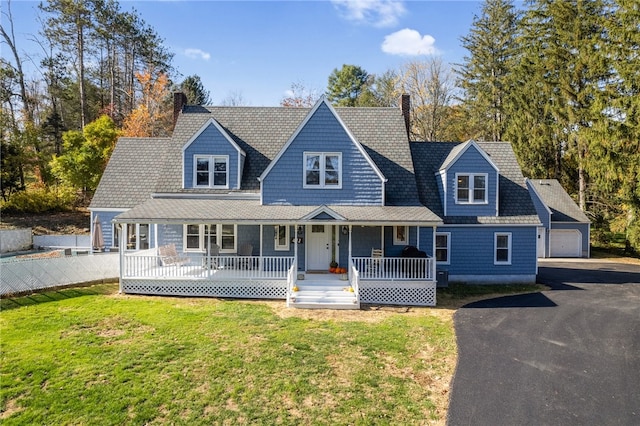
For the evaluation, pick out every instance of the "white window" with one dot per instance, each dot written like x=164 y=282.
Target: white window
x=322 y=170
x=137 y=236
x=502 y=251
x=198 y=237
x=400 y=235
x=443 y=247
x=471 y=188
x=281 y=238
x=211 y=171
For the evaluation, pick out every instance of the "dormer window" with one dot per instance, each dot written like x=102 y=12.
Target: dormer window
x=471 y=188
x=322 y=170
x=211 y=171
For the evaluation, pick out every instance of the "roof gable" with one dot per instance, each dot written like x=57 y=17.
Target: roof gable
x=459 y=151
x=322 y=101
x=205 y=126
x=323 y=212
x=558 y=201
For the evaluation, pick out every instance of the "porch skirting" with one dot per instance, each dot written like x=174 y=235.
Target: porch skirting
x=254 y=289
x=416 y=293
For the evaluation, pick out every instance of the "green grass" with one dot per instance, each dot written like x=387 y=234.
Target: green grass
x=459 y=291
x=89 y=356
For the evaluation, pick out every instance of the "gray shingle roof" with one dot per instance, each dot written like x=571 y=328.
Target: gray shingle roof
x=515 y=205
x=172 y=210
x=262 y=131
x=563 y=208
x=130 y=177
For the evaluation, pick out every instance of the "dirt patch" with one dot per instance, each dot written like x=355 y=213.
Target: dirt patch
x=76 y=222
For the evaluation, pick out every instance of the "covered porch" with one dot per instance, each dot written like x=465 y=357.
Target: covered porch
x=289 y=257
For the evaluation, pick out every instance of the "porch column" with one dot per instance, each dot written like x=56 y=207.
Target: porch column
x=295 y=247
x=433 y=255
x=350 y=262
x=122 y=245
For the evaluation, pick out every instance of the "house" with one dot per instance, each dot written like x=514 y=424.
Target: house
x=260 y=202
x=565 y=230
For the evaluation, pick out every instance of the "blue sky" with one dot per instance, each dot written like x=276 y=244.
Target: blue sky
x=259 y=48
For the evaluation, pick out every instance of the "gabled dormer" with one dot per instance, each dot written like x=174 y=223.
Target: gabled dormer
x=212 y=160
x=468 y=182
x=322 y=163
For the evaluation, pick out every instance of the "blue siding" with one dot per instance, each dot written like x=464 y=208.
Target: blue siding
x=171 y=234
x=249 y=234
x=391 y=250
x=542 y=212
x=471 y=161
x=472 y=251
x=426 y=240
x=268 y=249
x=211 y=142
x=107 y=227
x=322 y=133
x=363 y=239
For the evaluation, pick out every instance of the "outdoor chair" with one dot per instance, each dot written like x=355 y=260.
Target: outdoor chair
x=375 y=265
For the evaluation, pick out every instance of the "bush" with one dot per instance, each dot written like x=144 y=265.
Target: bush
x=41 y=200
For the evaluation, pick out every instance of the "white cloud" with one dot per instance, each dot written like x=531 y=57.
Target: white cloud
x=409 y=42
x=197 y=53
x=379 y=13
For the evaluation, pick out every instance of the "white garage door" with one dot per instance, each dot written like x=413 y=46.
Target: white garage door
x=565 y=243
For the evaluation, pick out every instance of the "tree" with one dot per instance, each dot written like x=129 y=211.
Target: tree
x=300 y=97
x=485 y=75
x=193 y=88
x=562 y=52
x=430 y=85
x=152 y=117
x=85 y=154
x=235 y=98
x=347 y=85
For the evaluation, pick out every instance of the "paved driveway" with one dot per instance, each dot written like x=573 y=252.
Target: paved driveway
x=567 y=356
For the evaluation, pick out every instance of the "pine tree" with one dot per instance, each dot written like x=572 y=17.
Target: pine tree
x=485 y=74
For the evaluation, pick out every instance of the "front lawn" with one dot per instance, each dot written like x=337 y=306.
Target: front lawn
x=91 y=356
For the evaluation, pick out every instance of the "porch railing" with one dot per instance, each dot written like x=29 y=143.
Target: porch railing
x=394 y=268
x=137 y=265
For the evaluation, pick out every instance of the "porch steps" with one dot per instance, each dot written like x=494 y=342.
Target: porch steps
x=329 y=295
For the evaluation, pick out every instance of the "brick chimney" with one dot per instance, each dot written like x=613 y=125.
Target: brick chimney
x=405 y=107
x=179 y=100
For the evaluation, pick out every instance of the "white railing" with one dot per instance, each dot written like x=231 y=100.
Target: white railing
x=354 y=280
x=197 y=266
x=394 y=268
x=292 y=278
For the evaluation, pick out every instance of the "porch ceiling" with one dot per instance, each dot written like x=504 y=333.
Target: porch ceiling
x=250 y=211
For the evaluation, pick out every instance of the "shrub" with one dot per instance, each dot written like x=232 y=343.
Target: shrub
x=40 y=200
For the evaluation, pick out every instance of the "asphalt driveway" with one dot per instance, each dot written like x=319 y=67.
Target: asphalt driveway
x=567 y=356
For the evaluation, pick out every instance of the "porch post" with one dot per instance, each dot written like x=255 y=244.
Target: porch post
x=122 y=245
x=295 y=247
x=350 y=262
x=433 y=256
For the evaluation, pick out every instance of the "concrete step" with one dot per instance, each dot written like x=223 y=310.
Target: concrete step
x=324 y=297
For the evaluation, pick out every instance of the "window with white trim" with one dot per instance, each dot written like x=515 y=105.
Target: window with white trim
x=323 y=170
x=211 y=171
x=400 y=235
x=502 y=248
x=137 y=236
x=281 y=237
x=443 y=247
x=471 y=188
x=197 y=237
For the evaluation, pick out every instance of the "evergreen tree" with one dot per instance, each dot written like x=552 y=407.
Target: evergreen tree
x=193 y=88
x=348 y=85
x=485 y=75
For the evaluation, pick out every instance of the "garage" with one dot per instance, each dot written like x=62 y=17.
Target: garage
x=565 y=243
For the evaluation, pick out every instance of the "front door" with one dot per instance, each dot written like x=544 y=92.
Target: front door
x=318 y=247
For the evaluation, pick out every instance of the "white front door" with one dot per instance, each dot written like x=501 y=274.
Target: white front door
x=541 y=242
x=318 y=247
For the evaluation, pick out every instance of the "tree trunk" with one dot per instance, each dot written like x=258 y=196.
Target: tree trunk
x=81 y=88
